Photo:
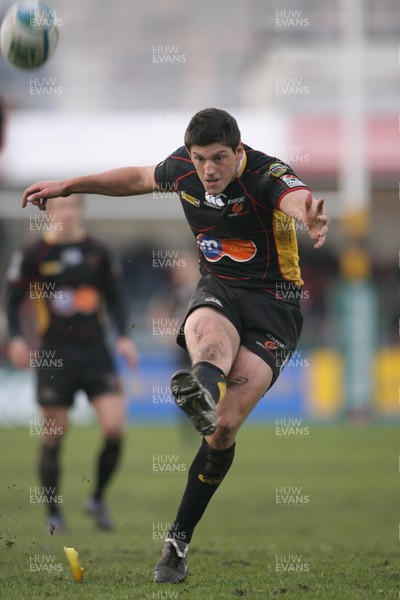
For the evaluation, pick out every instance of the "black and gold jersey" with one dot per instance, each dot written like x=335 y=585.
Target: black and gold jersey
x=242 y=236
x=67 y=283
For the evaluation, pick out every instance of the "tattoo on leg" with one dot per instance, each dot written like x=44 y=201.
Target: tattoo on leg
x=199 y=334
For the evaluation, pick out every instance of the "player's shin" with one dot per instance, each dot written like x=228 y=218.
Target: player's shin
x=49 y=472
x=107 y=463
x=205 y=475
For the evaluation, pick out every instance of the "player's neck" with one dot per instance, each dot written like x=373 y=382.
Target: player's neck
x=63 y=236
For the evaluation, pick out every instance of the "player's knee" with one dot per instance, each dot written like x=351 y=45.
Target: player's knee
x=53 y=437
x=113 y=432
x=225 y=433
x=210 y=351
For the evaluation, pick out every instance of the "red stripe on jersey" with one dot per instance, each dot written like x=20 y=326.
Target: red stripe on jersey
x=298 y=187
x=181 y=158
x=183 y=176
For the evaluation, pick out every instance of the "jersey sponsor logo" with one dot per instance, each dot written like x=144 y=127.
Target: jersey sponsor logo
x=84 y=300
x=277 y=169
x=190 y=199
x=51 y=267
x=71 y=256
x=214 y=248
x=214 y=201
x=292 y=181
x=238 y=204
x=214 y=300
x=237 y=200
x=237 y=208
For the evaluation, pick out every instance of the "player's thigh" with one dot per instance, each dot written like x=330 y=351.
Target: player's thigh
x=248 y=381
x=110 y=409
x=210 y=335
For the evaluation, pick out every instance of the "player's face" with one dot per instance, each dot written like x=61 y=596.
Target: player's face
x=67 y=211
x=216 y=165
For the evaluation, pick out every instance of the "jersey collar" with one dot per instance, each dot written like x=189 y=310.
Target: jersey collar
x=242 y=165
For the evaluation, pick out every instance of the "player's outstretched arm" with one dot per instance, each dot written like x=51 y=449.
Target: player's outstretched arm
x=302 y=205
x=126 y=181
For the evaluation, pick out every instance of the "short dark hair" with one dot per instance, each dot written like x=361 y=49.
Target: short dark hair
x=212 y=125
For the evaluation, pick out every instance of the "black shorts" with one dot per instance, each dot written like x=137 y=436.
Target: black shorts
x=61 y=371
x=267 y=327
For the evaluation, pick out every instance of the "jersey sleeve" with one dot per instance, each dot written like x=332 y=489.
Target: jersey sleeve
x=20 y=274
x=278 y=180
x=113 y=292
x=168 y=171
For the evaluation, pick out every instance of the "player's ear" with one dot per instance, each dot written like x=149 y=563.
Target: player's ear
x=239 y=151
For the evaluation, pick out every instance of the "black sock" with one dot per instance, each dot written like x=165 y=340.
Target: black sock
x=49 y=472
x=106 y=465
x=205 y=474
x=212 y=377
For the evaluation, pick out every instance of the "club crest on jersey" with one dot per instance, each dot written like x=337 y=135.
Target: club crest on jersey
x=277 y=169
x=214 y=249
x=214 y=201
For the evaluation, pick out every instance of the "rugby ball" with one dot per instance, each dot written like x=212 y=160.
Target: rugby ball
x=28 y=34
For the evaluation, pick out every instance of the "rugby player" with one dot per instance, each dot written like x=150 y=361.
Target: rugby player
x=69 y=275
x=244 y=319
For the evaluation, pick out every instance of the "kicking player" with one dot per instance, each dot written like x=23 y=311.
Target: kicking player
x=244 y=319
x=68 y=274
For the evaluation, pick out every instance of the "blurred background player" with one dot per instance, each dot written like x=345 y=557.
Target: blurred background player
x=69 y=274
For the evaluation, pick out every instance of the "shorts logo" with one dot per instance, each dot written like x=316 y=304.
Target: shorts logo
x=276 y=349
x=214 y=248
x=292 y=181
x=271 y=345
x=215 y=300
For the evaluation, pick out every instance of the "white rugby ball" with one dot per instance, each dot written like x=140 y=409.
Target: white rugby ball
x=28 y=34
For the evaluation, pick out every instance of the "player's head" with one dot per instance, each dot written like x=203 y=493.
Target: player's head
x=66 y=213
x=211 y=126
x=213 y=142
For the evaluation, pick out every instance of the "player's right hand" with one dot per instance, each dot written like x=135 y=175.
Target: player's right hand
x=38 y=193
x=19 y=353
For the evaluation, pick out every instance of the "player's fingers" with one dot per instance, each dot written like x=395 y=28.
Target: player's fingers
x=320 y=242
x=38 y=200
x=33 y=192
x=33 y=198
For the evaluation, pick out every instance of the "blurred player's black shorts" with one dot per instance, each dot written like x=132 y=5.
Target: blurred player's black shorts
x=63 y=370
x=267 y=327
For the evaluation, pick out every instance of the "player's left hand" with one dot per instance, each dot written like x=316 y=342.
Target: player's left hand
x=316 y=219
x=127 y=349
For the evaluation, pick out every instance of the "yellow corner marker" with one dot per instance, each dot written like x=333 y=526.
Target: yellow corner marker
x=77 y=570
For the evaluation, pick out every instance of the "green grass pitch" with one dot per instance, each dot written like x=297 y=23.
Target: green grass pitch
x=313 y=515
